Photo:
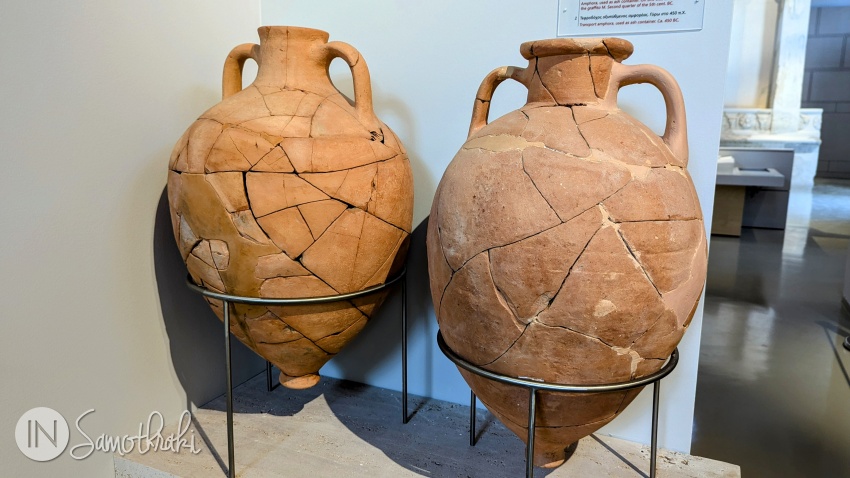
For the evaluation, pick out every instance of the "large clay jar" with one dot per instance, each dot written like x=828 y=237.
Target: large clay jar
x=566 y=241
x=289 y=189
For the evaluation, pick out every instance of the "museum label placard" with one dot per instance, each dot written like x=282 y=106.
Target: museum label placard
x=606 y=17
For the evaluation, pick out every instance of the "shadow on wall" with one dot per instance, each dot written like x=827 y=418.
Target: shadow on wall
x=195 y=334
x=435 y=441
x=196 y=345
x=396 y=113
x=374 y=356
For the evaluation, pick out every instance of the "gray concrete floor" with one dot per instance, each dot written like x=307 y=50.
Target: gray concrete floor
x=342 y=429
x=773 y=392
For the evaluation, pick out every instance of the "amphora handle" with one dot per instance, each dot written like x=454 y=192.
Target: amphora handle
x=481 y=109
x=676 y=130
x=362 y=82
x=231 y=79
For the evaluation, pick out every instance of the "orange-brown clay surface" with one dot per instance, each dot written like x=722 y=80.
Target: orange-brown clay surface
x=566 y=241
x=289 y=189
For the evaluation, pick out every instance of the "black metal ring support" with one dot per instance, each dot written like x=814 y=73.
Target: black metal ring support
x=227 y=299
x=534 y=386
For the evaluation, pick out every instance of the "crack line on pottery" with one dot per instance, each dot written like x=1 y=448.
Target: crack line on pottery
x=566 y=153
x=600 y=205
x=639 y=221
x=439 y=307
x=608 y=50
x=251 y=210
x=265 y=342
x=372 y=203
x=525 y=126
x=383 y=220
x=580 y=133
x=376 y=162
x=540 y=78
x=257 y=133
x=637 y=261
x=590 y=120
x=500 y=294
x=304 y=337
x=524 y=330
x=360 y=246
x=296 y=205
x=525 y=171
x=654 y=323
x=580 y=254
x=180 y=238
x=394 y=251
x=298 y=259
x=344 y=98
x=590 y=336
x=337 y=334
x=592 y=79
x=506 y=244
x=524 y=425
x=209 y=152
x=268 y=111
x=235 y=146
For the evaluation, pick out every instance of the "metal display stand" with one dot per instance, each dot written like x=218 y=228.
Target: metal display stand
x=533 y=387
x=227 y=299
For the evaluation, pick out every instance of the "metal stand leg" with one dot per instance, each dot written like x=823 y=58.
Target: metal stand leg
x=529 y=447
x=656 y=395
x=231 y=459
x=269 y=386
x=534 y=386
x=471 y=418
x=227 y=299
x=404 y=417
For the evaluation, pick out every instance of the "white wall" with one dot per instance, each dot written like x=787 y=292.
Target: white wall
x=94 y=311
x=751 y=53
x=94 y=95
x=427 y=59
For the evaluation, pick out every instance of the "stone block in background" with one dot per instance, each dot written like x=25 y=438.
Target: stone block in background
x=834 y=21
x=836 y=140
x=830 y=86
x=824 y=52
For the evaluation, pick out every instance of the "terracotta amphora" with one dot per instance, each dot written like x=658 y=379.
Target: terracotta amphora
x=566 y=241
x=289 y=189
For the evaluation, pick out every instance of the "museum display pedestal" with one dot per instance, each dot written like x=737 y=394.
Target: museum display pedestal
x=752 y=189
x=753 y=128
x=340 y=428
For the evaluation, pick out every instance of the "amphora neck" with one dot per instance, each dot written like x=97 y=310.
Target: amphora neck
x=570 y=71
x=294 y=58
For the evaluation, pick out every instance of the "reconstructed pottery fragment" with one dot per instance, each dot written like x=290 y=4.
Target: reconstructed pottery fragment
x=566 y=241
x=289 y=189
